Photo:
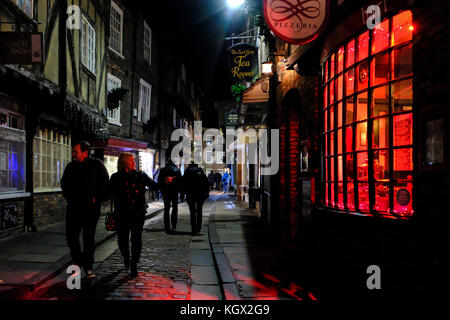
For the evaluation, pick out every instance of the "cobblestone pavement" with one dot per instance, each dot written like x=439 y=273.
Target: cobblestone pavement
x=164 y=269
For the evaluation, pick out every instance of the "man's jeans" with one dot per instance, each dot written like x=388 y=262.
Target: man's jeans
x=77 y=220
x=170 y=199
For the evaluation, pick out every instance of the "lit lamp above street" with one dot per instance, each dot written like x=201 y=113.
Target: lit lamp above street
x=267 y=67
x=235 y=3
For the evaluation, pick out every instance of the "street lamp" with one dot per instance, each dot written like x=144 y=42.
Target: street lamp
x=267 y=67
x=235 y=3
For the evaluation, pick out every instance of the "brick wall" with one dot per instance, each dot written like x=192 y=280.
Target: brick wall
x=49 y=208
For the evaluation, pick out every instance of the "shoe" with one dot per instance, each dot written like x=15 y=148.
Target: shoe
x=90 y=274
x=133 y=271
x=126 y=263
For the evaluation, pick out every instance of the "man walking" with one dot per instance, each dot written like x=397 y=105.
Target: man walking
x=226 y=181
x=169 y=180
x=211 y=179
x=218 y=179
x=155 y=179
x=84 y=185
x=196 y=187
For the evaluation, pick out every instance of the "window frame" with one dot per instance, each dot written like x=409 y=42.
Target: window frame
x=115 y=7
x=23 y=7
x=86 y=40
x=147 y=45
x=114 y=120
x=63 y=141
x=144 y=115
x=331 y=159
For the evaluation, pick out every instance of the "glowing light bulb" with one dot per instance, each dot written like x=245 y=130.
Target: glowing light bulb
x=235 y=3
x=411 y=27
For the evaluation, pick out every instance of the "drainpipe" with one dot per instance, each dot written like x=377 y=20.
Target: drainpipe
x=133 y=79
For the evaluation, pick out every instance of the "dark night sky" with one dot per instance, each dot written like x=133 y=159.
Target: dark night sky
x=200 y=27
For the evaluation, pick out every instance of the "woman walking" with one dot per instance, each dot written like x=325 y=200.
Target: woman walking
x=127 y=187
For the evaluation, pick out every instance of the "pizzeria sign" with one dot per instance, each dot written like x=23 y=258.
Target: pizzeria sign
x=296 y=21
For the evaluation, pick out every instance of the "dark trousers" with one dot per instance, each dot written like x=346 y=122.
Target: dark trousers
x=125 y=227
x=82 y=220
x=170 y=199
x=195 y=210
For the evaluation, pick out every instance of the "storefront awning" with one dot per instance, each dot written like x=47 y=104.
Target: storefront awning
x=121 y=145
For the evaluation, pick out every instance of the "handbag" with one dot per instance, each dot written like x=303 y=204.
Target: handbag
x=111 y=219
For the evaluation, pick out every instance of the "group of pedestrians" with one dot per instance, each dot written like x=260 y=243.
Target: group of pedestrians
x=86 y=184
x=220 y=182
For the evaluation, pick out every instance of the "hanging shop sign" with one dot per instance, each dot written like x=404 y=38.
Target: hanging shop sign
x=296 y=21
x=232 y=118
x=21 y=48
x=243 y=62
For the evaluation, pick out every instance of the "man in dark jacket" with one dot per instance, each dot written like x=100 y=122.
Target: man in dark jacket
x=218 y=179
x=211 y=180
x=196 y=186
x=127 y=187
x=169 y=180
x=84 y=185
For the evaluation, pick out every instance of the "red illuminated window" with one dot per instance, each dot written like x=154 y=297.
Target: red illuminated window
x=368 y=121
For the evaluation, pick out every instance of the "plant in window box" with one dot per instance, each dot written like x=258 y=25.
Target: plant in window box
x=236 y=91
x=115 y=96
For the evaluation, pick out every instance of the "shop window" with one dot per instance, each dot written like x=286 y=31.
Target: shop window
x=380 y=133
x=381 y=196
x=349 y=110
x=348 y=139
x=349 y=82
x=340 y=60
x=361 y=136
x=379 y=104
x=373 y=96
x=52 y=152
x=402 y=62
x=363 y=196
x=339 y=141
x=402 y=28
x=339 y=88
x=362 y=73
x=12 y=161
x=403 y=130
x=339 y=115
x=349 y=167
x=332 y=65
x=350 y=196
x=403 y=164
x=331 y=143
x=402 y=96
x=325 y=97
x=331 y=92
x=361 y=108
x=362 y=161
x=331 y=113
x=350 y=58
x=379 y=69
x=363 y=46
x=380 y=37
x=381 y=165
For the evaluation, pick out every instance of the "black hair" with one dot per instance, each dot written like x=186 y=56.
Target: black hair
x=84 y=146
